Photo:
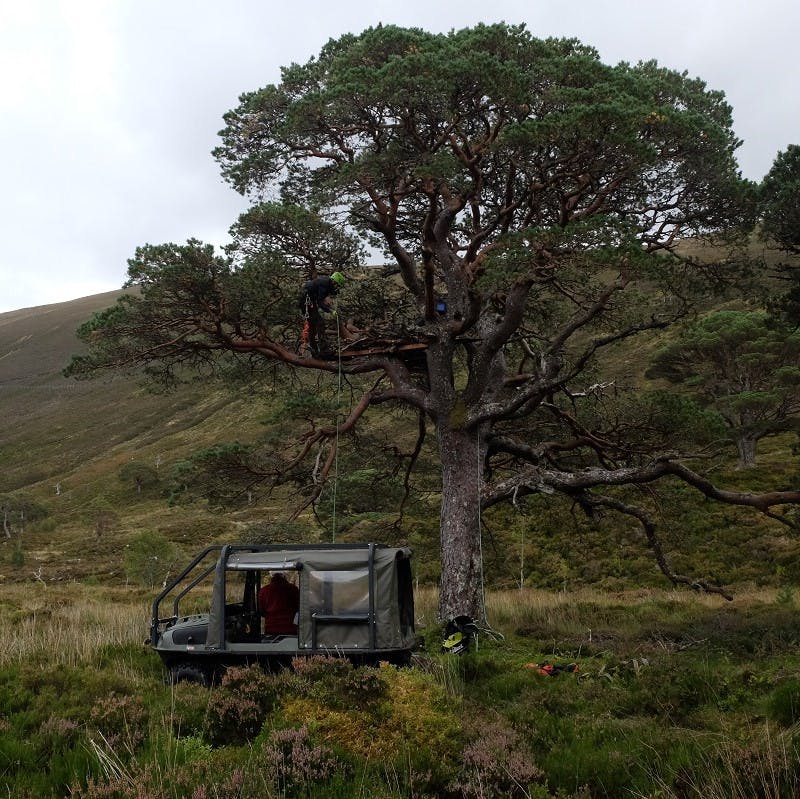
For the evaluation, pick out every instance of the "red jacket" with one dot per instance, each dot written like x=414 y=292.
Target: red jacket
x=279 y=602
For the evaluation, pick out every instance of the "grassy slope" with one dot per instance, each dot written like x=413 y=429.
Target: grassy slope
x=63 y=442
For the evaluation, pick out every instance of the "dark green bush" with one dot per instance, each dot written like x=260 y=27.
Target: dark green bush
x=189 y=707
x=783 y=704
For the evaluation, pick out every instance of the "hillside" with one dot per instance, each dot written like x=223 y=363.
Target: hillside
x=63 y=444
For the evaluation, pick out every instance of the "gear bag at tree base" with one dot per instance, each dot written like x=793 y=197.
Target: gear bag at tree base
x=459 y=634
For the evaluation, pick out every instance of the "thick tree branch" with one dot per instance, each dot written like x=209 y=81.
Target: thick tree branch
x=655 y=544
x=537 y=479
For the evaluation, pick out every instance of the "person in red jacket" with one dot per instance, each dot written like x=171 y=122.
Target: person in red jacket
x=278 y=603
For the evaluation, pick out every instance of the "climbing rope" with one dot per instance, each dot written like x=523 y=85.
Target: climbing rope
x=486 y=628
x=478 y=471
x=338 y=400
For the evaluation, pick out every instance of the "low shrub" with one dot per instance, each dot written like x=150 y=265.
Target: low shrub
x=337 y=682
x=496 y=763
x=414 y=731
x=293 y=764
x=189 y=705
x=762 y=766
x=783 y=704
x=57 y=734
x=121 y=720
x=238 y=707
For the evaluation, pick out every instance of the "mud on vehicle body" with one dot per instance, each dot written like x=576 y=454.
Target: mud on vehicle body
x=356 y=600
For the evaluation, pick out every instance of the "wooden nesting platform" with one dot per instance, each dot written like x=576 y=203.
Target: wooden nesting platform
x=369 y=347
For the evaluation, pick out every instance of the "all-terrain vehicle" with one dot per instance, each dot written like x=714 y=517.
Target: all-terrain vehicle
x=355 y=600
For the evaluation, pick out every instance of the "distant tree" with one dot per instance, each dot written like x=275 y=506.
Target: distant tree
x=149 y=558
x=779 y=196
x=743 y=365
x=103 y=516
x=779 y=211
x=530 y=201
x=140 y=474
x=17 y=511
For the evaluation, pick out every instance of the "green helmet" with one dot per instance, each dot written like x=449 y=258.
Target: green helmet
x=338 y=278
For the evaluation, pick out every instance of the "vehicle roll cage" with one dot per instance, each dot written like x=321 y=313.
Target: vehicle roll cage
x=224 y=551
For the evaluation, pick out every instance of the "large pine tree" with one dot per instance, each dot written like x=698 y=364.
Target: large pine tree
x=529 y=199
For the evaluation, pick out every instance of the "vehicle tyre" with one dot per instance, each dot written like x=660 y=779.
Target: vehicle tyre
x=189 y=672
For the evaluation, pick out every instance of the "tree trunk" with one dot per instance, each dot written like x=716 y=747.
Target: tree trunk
x=746 y=445
x=461 y=586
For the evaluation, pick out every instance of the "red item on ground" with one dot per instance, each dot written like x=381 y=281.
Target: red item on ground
x=549 y=670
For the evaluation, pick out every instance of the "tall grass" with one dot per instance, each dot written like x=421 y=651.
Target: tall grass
x=767 y=769
x=68 y=625
x=567 y=608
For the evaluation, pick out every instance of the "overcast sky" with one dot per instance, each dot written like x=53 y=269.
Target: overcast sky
x=109 y=109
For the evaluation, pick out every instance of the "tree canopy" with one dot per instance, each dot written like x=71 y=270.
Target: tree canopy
x=779 y=212
x=780 y=209
x=745 y=366
x=529 y=202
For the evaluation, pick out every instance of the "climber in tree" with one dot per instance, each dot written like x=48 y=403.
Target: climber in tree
x=316 y=298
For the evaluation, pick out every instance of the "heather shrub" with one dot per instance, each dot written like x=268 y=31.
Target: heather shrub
x=124 y=786
x=121 y=720
x=224 y=773
x=496 y=763
x=238 y=707
x=232 y=719
x=57 y=734
x=766 y=767
x=678 y=692
x=57 y=686
x=293 y=764
x=15 y=695
x=337 y=682
x=251 y=681
x=412 y=730
x=236 y=785
x=190 y=705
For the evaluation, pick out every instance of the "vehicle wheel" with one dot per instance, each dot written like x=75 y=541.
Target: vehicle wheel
x=188 y=672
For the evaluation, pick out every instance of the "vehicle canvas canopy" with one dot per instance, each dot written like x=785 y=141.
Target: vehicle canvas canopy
x=352 y=598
